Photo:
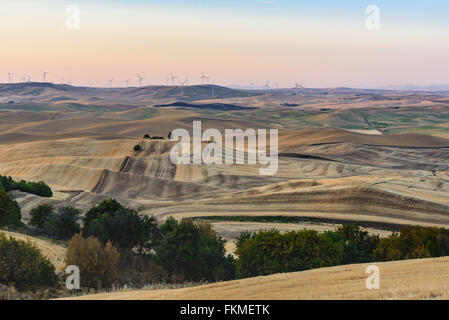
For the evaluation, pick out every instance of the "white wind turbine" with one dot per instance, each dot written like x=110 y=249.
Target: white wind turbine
x=298 y=86
x=172 y=77
x=140 y=79
x=267 y=87
x=204 y=77
x=44 y=74
x=182 y=83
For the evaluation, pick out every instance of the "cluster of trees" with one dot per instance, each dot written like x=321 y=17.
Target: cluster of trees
x=147 y=252
x=38 y=188
x=268 y=251
x=115 y=246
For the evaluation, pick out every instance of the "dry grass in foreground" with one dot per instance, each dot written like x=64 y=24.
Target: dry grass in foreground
x=409 y=279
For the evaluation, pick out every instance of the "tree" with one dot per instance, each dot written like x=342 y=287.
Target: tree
x=97 y=264
x=194 y=252
x=22 y=264
x=9 y=211
x=41 y=214
x=110 y=221
x=63 y=224
x=137 y=148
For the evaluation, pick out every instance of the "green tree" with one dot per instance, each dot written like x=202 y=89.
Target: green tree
x=110 y=221
x=9 y=211
x=194 y=252
x=63 y=224
x=22 y=264
x=137 y=148
x=268 y=251
x=41 y=214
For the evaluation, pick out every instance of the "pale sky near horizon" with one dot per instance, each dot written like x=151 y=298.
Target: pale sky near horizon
x=324 y=43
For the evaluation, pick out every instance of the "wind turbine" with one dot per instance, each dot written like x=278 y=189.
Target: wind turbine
x=182 y=85
x=127 y=83
x=213 y=88
x=203 y=77
x=140 y=79
x=172 y=77
x=9 y=77
x=44 y=74
x=267 y=87
x=109 y=83
x=298 y=86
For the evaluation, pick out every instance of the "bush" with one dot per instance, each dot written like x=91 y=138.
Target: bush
x=137 y=148
x=63 y=224
x=193 y=251
x=37 y=188
x=147 y=136
x=9 y=211
x=40 y=215
x=97 y=264
x=268 y=252
x=110 y=221
x=23 y=264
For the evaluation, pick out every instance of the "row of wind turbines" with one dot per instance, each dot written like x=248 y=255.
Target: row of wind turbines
x=169 y=80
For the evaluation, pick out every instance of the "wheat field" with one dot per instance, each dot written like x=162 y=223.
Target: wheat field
x=408 y=279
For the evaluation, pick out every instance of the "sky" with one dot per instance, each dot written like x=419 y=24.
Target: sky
x=323 y=43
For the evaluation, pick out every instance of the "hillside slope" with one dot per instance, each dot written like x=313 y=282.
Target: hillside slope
x=409 y=279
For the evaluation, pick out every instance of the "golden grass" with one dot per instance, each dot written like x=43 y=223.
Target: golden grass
x=55 y=253
x=410 y=279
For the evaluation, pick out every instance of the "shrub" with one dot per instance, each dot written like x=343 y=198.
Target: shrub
x=9 y=211
x=147 y=136
x=194 y=252
x=137 y=148
x=63 y=224
x=40 y=215
x=37 y=188
x=97 y=264
x=23 y=264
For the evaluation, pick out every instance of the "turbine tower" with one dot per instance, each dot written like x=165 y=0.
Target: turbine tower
x=9 y=77
x=182 y=86
x=44 y=74
x=298 y=86
x=140 y=79
x=203 y=77
x=172 y=77
x=267 y=87
x=127 y=83
x=109 y=83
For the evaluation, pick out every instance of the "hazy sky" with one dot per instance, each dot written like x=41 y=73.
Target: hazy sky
x=323 y=43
